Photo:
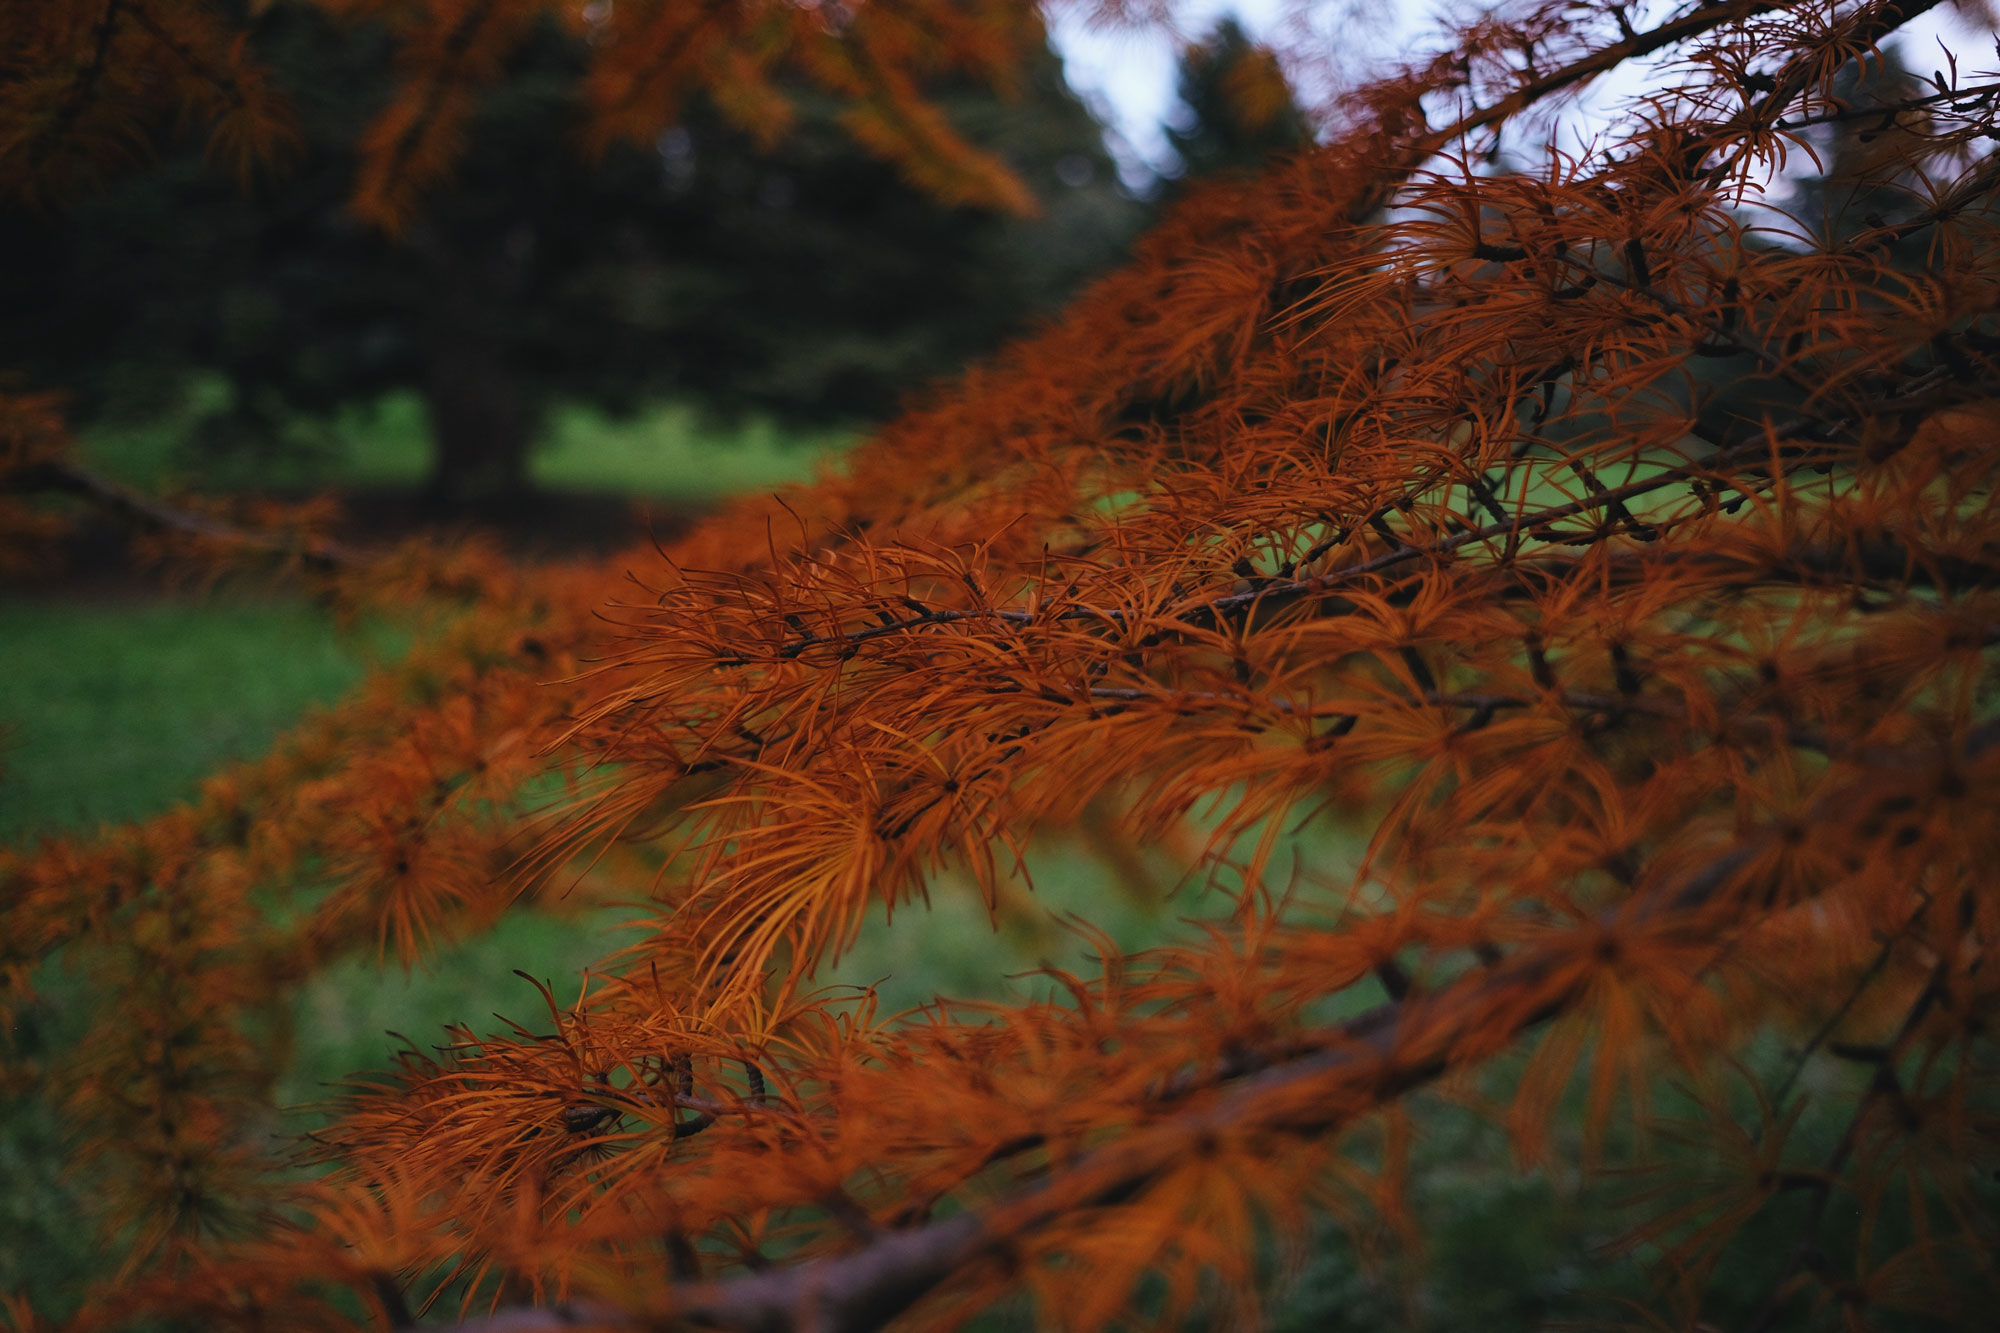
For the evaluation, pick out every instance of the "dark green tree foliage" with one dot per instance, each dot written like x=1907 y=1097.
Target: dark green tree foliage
x=1860 y=177
x=825 y=287
x=1237 y=111
x=799 y=278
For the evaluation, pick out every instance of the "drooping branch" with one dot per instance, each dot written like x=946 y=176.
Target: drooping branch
x=133 y=506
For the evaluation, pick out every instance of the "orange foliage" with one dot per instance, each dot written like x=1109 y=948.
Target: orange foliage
x=1621 y=560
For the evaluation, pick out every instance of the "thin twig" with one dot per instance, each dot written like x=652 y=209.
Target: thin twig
x=1743 y=457
x=149 y=512
x=1884 y=1083
x=1861 y=983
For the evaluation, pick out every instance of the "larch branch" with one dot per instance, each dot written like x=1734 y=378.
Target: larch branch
x=148 y=512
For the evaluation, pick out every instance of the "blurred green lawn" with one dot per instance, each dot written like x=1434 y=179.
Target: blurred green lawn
x=666 y=451
x=113 y=709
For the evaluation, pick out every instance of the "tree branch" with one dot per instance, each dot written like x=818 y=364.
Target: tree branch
x=147 y=512
x=1728 y=460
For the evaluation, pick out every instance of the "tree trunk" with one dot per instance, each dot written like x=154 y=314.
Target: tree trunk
x=481 y=427
x=483 y=415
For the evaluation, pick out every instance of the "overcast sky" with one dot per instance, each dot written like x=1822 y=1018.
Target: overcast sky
x=1130 y=75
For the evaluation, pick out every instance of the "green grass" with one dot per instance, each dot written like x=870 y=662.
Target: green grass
x=355 y=1015
x=666 y=451
x=114 y=710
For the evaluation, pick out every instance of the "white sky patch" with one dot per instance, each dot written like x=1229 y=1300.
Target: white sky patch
x=1128 y=75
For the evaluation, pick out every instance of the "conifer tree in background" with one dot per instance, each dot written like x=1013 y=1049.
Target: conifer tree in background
x=1857 y=175
x=785 y=273
x=1237 y=113
x=1617 y=772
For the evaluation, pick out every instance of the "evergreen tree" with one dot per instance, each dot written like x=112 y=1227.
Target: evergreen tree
x=797 y=275
x=1875 y=109
x=1237 y=111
